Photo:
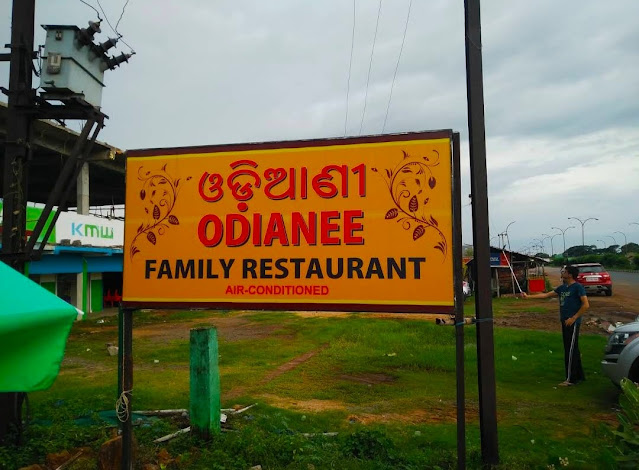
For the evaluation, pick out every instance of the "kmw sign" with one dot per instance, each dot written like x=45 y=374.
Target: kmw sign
x=90 y=230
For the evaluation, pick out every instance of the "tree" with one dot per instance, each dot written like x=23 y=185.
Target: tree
x=616 y=260
x=580 y=250
x=630 y=248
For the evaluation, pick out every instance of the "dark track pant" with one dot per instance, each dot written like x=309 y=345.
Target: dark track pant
x=572 y=357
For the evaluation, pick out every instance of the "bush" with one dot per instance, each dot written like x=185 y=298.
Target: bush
x=609 y=260
x=547 y=284
x=366 y=444
x=625 y=449
x=616 y=261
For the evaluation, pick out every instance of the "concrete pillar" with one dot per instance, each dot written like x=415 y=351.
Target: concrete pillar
x=76 y=295
x=205 y=383
x=83 y=190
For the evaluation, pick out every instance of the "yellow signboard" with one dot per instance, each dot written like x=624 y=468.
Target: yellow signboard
x=362 y=224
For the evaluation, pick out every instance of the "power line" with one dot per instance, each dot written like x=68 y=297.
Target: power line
x=111 y=26
x=390 y=97
x=350 y=64
x=93 y=8
x=125 y=43
x=106 y=17
x=121 y=15
x=370 y=66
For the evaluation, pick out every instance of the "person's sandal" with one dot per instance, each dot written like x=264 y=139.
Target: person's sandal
x=565 y=383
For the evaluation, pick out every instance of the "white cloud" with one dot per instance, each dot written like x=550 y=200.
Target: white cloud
x=560 y=83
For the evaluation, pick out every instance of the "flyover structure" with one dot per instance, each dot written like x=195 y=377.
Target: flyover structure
x=101 y=182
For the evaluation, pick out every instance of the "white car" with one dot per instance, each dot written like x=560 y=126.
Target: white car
x=466 y=290
x=621 y=357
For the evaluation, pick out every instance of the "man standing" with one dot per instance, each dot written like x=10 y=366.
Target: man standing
x=572 y=305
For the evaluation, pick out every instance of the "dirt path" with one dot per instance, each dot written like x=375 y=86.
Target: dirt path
x=232 y=328
x=622 y=306
x=292 y=364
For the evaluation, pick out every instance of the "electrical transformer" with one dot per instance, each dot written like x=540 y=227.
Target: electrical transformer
x=73 y=65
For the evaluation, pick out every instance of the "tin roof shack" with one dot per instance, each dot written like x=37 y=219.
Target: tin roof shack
x=512 y=272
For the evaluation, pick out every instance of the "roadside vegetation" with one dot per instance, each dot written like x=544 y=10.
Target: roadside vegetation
x=385 y=385
x=612 y=257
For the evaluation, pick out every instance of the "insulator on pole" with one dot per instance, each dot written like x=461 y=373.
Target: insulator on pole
x=106 y=45
x=85 y=35
x=113 y=62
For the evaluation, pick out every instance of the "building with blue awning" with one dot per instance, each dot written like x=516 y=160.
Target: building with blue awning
x=82 y=261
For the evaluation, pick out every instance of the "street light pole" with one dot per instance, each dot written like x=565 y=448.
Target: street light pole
x=610 y=236
x=502 y=240
x=512 y=271
x=539 y=245
x=552 y=247
x=583 y=222
x=625 y=240
x=544 y=237
x=506 y=232
x=563 y=233
x=604 y=243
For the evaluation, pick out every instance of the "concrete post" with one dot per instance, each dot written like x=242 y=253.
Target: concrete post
x=204 y=383
x=83 y=190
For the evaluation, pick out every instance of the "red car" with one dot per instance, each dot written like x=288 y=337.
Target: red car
x=594 y=278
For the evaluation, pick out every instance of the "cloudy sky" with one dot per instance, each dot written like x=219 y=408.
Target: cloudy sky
x=561 y=84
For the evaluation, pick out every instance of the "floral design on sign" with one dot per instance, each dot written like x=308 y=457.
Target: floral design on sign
x=411 y=184
x=159 y=194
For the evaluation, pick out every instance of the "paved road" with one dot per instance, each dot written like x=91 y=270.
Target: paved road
x=625 y=292
x=626 y=284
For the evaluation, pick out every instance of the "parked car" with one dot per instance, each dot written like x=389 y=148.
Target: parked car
x=594 y=278
x=621 y=358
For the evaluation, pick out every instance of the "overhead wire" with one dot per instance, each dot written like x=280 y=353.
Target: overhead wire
x=106 y=17
x=370 y=66
x=115 y=30
x=121 y=15
x=399 y=57
x=125 y=43
x=350 y=65
x=92 y=7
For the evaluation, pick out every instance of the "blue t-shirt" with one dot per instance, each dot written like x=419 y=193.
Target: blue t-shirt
x=570 y=299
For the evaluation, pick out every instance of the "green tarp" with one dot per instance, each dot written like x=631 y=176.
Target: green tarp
x=34 y=326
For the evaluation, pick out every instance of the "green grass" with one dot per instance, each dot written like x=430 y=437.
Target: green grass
x=406 y=420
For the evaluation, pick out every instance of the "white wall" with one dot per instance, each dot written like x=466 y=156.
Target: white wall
x=90 y=230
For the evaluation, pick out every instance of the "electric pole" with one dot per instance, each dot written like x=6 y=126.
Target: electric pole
x=17 y=147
